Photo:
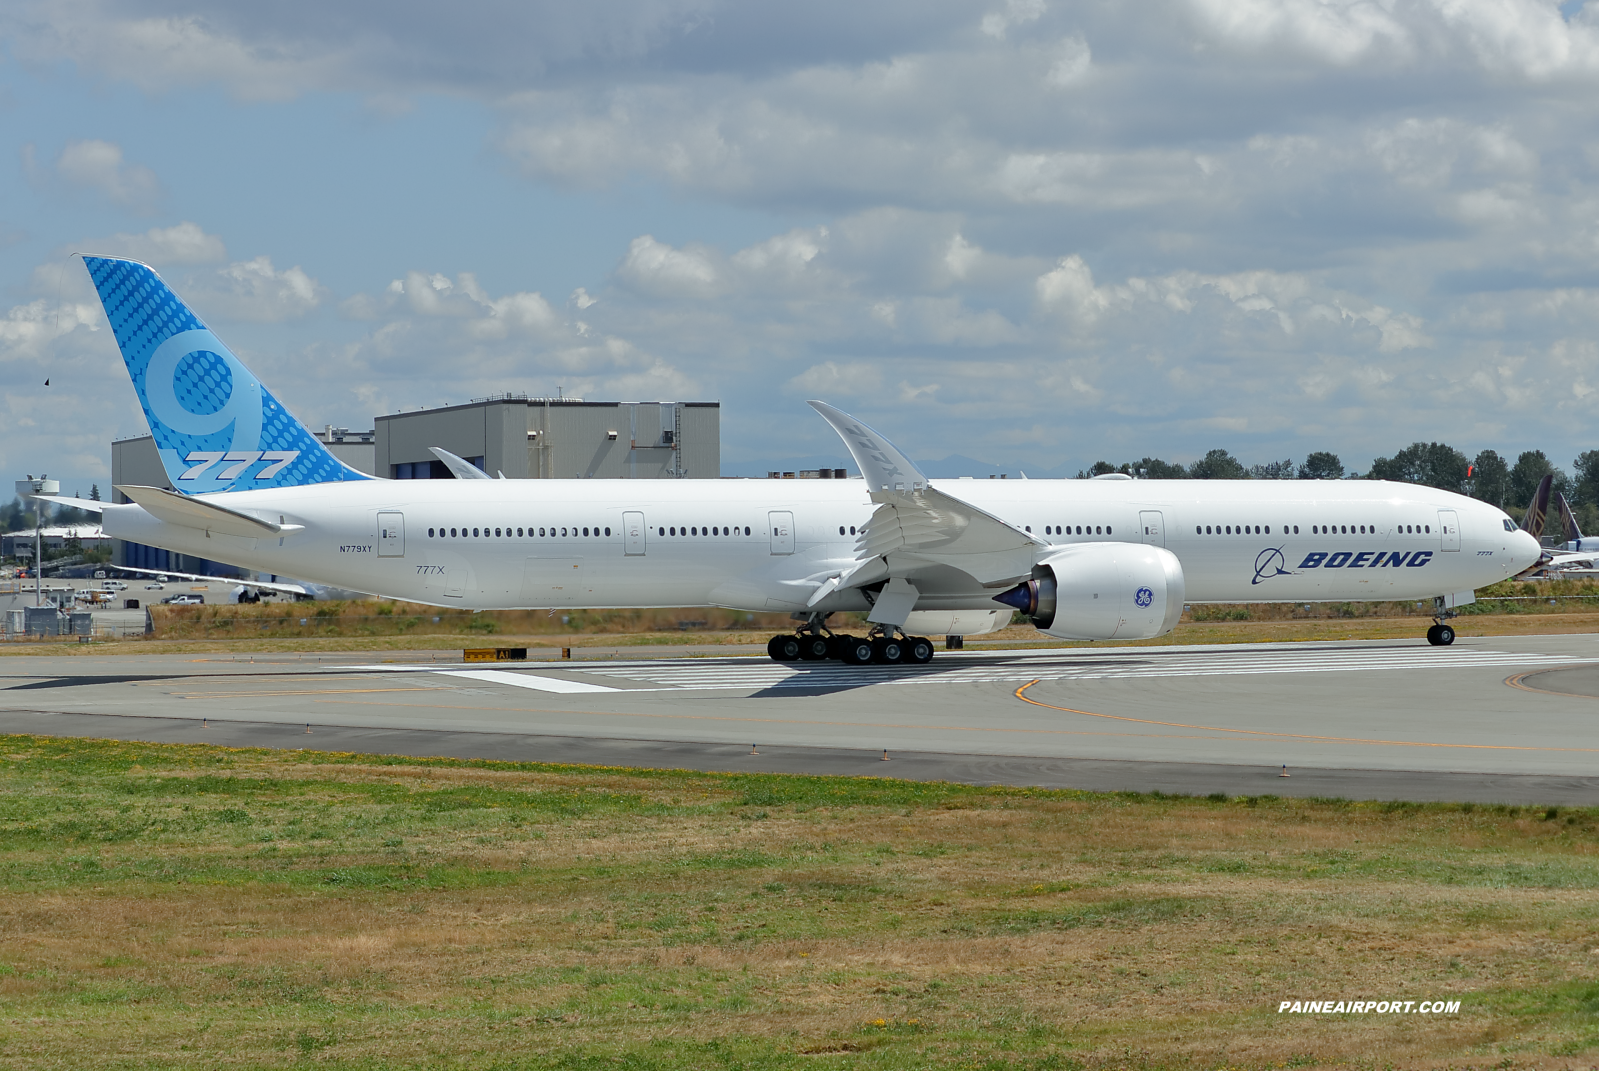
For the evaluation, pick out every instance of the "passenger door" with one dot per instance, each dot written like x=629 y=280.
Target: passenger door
x=782 y=529
x=1154 y=527
x=391 y=535
x=1449 y=529
x=633 y=534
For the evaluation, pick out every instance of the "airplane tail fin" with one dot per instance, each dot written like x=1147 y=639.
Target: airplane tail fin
x=1569 y=520
x=216 y=426
x=1532 y=522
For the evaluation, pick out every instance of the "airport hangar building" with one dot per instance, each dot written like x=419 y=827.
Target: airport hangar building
x=524 y=438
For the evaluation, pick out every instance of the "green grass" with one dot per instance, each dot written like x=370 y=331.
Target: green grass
x=189 y=906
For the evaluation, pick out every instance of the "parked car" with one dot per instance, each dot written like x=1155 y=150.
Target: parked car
x=155 y=587
x=185 y=599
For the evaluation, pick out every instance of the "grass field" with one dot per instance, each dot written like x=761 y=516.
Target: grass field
x=173 y=906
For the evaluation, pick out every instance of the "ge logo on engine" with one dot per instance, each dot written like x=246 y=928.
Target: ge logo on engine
x=1144 y=597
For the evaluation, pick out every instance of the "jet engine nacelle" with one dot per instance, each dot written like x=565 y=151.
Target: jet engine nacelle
x=1103 y=591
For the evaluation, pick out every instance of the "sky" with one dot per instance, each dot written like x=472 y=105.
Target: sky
x=1031 y=232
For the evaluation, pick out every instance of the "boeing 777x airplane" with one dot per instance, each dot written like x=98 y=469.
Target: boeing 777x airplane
x=1102 y=559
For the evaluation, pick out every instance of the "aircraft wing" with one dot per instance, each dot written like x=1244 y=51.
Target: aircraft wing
x=915 y=525
x=1555 y=561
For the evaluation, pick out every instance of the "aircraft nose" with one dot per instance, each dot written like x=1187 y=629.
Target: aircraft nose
x=1524 y=549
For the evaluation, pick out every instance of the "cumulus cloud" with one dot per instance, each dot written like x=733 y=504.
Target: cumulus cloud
x=255 y=291
x=99 y=166
x=1254 y=219
x=659 y=269
x=1015 y=12
x=283 y=50
x=524 y=314
x=182 y=243
x=835 y=379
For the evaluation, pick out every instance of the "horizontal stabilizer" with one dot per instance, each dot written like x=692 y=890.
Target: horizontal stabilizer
x=76 y=503
x=204 y=514
x=286 y=589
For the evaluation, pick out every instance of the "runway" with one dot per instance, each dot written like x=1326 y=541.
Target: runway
x=1505 y=719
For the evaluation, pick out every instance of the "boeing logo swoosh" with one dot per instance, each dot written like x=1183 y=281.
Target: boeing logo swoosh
x=1269 y=563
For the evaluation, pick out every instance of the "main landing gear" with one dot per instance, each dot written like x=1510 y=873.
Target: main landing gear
x=1442 y=634
x=814 y=642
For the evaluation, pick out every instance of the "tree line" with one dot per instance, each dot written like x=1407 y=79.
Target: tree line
x=1487 y=477
x=18 y=515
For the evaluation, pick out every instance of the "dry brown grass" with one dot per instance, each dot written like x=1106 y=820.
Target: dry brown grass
x=199 y=907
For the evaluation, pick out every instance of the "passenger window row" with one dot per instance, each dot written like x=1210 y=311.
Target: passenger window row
x=700 y=530
x=1315 y=529
x=513 y=533
x=1368 y=529
x=1081 y=529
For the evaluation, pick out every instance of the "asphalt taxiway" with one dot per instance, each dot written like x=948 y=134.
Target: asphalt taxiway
x=1499 y=719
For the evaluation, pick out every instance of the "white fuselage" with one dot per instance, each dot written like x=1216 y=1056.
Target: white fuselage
x=767 y=544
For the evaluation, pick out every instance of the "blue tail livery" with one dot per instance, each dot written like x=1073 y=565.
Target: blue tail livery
x=216 y=426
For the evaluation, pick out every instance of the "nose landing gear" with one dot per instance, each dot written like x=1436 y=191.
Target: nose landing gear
x=1442 y=634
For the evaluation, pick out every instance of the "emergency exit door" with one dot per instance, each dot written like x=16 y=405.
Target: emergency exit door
x=1153 y=527
x=1449 y=529
x=633 y=534
x=782 y=529
x=391 y=535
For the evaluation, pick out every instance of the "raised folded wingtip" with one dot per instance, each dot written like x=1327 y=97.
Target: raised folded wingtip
x=460 y=466
x=880 y=461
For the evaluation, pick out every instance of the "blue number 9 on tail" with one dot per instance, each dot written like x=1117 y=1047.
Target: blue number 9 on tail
x=215 y=425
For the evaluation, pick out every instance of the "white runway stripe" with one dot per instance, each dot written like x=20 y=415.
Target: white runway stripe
x=525 y=680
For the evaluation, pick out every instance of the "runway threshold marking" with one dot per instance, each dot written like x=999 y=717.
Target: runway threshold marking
x=527 y=680
x=1291 y=736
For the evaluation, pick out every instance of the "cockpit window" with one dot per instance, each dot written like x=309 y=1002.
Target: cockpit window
x=1510 y=526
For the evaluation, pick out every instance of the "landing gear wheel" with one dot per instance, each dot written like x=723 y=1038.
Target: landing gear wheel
x=1446 y=635
x=854 y=652
x=919 y=650
x=784 y=648
x=887 y=651
x=814 y=648
x=1432 y=635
